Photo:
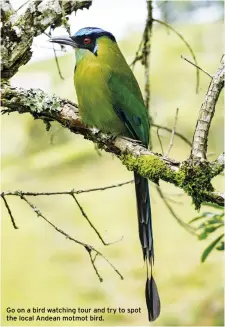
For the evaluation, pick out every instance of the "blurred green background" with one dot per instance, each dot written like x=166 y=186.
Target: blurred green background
x=40 y=267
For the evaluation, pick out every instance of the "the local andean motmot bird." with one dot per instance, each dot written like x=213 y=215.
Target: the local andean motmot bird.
x=109 y=98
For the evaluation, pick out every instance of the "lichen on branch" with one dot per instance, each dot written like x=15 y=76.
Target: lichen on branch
x=18 y=31
x=193 y=177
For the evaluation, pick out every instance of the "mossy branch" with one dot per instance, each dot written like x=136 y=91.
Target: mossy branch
x=193 y=177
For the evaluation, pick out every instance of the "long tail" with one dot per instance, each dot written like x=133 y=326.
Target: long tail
x=146 y=239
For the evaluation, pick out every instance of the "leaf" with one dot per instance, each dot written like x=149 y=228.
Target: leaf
x=215 y=220
x=210 y=248
x=196 y=218
x=210 y=215
x=203 y=235
x=220 y=247
x=211 y=229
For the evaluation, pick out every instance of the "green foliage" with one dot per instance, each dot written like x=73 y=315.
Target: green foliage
x=213 y=221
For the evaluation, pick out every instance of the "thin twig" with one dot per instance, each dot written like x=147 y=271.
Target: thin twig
x=10 y=212
x=143 y=53
x=24 y=4
x=87 y=247
x=181 y=222
x=187 y=45
x=94 y=266
x=55 y=55
x=172 y=134
x=138 y=55
x=90 y=223
x=95 y=257
x=19 y=193
x=160 y=142
x=173 y=201
x=190 y=62
x=57 y=62
x=136 y=59
x=170 y=130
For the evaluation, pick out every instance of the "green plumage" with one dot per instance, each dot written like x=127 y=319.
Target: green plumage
x=110 y=99
x=105 y=82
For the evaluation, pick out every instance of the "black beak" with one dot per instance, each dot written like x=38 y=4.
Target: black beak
x=66 y=40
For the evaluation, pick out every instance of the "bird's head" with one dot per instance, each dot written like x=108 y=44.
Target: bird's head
x=85 y=39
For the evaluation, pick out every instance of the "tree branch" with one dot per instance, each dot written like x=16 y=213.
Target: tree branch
x=87 y=247
x=193 y=64
x=71 y=192
x=18 y=31
x=9 y=211
x=206 y=113
x=48 y=108
x=146 y=52
x=134 y=156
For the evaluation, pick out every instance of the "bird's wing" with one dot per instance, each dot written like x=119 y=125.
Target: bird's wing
x=129 y=105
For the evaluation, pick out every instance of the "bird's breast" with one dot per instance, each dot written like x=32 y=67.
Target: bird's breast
x=95 y=98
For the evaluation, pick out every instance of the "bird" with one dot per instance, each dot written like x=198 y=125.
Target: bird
x=110 y=99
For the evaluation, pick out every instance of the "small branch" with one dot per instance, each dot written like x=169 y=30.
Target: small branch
x=172 y=134
x=87 y=247
x=143 y=55
x=181 y=136
x=187 y=45
x=94 y=266
x=19 y=193
x=24 y=4
x=57 y=62
x=66 y=113
x=146 y=51
x=181 y=222
x=90 y=223
x=206 y=113
x=9 y=212
x=160 y=142
x=86 y=217
x=190 y=62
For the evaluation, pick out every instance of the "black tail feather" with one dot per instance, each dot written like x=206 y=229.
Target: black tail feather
x=146 y=239
x=144 y=217
x=152 y=299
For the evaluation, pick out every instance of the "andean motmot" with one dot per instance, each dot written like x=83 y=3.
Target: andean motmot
x=109 y=98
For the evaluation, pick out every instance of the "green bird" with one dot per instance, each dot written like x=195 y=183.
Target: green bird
x=110 y=99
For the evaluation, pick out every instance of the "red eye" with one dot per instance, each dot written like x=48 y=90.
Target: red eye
x=87 y=40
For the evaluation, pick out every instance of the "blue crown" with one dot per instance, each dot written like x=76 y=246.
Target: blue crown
x=94 y=31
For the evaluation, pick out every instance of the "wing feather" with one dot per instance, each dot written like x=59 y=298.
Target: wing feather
x=129 y=105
